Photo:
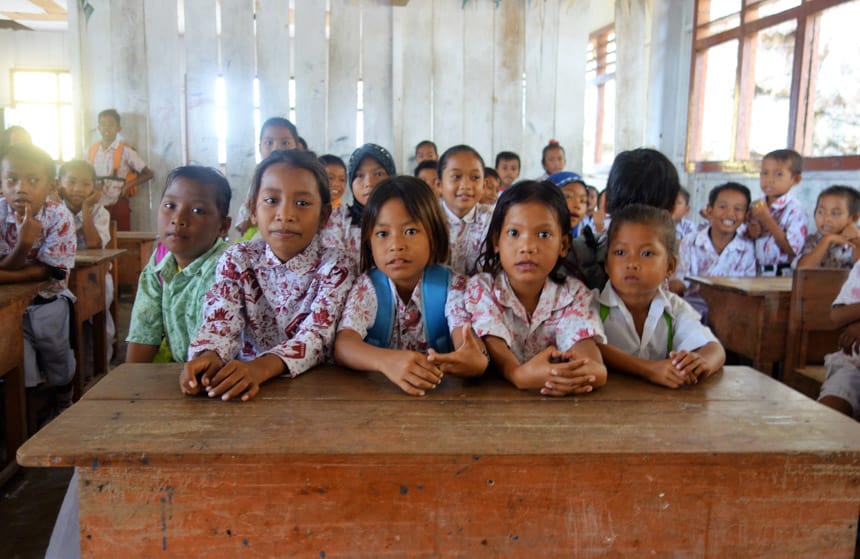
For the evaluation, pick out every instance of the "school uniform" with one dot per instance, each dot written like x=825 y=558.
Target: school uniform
x=562 y=318
x=837 y=256
x=342 y=234
x=407 y=330
x=843 y=371
x=103 y=164
x=262 y=305
x=466 y=235
x=688 y=333
x=685 y=227
x=792 y=219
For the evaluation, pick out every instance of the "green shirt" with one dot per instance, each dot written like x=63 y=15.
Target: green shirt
x=169 y=303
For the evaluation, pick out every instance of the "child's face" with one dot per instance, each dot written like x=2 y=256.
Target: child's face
x=681 y=209
x=108 y=128
x=400 y=245
x=592 y=200
x=638 y=261
x=832 y=215
x=491 y=190
x=529 y=245
x=462 y=183
x=429 y=176
x=576 y=197
x=276 y=138
x=75 y=187
x=25 y=184
x=508 y=170
x=728 y=212
x=775 y=178
x=425 y=153
x=553 y=161
x=189 y=221
x=336 y=180
x=369 y=174
x=289 y=209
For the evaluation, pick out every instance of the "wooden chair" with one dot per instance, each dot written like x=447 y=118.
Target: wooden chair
x=811 y=335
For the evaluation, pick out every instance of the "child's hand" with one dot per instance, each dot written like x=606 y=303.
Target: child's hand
x=690 y=364
x=234 y=380
x=29 y=227
x=204 y=366
x=754 y=229
x=849 y=339
x=93 y=198
x=851 y=233
x=664 y=373
x=573 y=374
x=412 y=372
x=470 y=359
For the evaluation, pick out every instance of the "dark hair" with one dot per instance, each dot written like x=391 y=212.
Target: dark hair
x=426 y=164
x=594 y=188
x=421 y=204
x=642 y=176
x=301 y=141
x=851 y=195
x=330 y=159
x=298 y=160
x=426 y=143
x=33 y=154
x=460 y=148
x=282 y=122
x=686 y=194
x=490 y=172
x=6 y=140
x=523 y=192
x=553 y=144
x=734 y=186
x=794 y=159
x=77 y=164
x=651 y=216
x=113 y=113
x=207 y=176
x=507 y=156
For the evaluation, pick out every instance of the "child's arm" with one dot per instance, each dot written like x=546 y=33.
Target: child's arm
x=29 y=230
x=88 y=214
x=660 y=371
x=33 y=272
x=813 y=258
x=140 y=353
x=583 y=360
x=761 y=212
x=410 y=370
x=235 y=379
x=143 y=176
x=469 y=359
x=843 y=315
x=701 y=363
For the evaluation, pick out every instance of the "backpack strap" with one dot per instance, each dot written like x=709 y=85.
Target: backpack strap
x=94 y=149
x=604 y=312
x=434 y=294
x=379 y=334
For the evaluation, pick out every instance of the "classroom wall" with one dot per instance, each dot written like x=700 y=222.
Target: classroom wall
x=29 y=50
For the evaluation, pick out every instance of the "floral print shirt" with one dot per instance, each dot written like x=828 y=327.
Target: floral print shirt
x=698 y=257
x=837 y=256
x=101 y=220
x=466 y=235
x=791 y=218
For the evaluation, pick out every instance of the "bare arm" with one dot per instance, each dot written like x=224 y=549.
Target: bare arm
x=33 y=272
x=140 y=353
x=843 y=315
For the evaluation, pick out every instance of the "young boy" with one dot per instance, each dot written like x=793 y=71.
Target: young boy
x=716 y=250
x=37 y=243
x=575 y=196
x=836 y=243
x=841 y=387
x=426 y=171
x=492 y=185
x=778 y=223
x=425 y=151
x=683 y=226
x=119 y=169
x=508 y=167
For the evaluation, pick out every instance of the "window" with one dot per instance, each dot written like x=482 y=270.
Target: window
x=769 y=74
x=599 y=133
x=42 y=103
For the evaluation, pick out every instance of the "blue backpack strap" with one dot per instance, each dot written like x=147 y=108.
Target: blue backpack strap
x=604 y=312
x=434 y=295
x=379 y=334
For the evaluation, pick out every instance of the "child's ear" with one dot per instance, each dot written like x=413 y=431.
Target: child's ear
x=796 y=178
x=226 y=222
x=565 y=246
x=325 y=213
x=706 y=213
x=672 y=265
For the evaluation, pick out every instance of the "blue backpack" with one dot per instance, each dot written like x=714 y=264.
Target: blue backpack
x=434 y=294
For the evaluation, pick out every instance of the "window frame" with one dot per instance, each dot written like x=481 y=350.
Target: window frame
x=600 y=40
x=58 y=104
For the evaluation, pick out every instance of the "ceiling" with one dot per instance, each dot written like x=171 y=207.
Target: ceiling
x=39 y=15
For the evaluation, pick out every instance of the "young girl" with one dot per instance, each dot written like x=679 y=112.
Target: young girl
x=575 y=195
x=552 y=159
x=335 y=168
x=404 y=241
x=650 y=332
x=461 y=181
x=276 y=299
x=537 y=323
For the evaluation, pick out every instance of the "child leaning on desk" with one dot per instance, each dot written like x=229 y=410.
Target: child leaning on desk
x=841 y=387
x=276 y=299
x=650 y=332
x=836 y=244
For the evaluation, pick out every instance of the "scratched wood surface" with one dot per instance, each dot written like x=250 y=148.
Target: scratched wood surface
x=763 y=285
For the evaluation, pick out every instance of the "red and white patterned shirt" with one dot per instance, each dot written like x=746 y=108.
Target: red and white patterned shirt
x=466 y=235
x=261 y=305
x=341 y=234
x=698 y=257
x=792 y=219
x=101 y=221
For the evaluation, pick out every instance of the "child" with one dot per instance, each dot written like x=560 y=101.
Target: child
x=192 y=221
x=492 y=184
x=841 y=387
x=335 y=168
x=778 y=223
x=552 y=159
x=717 y=250
x=404 y=241
x=119 y=168
x=461 y=180
x=276 y=300
x=37 y=243
x=683 y=226
x=425 y=151
x=426 y=171
x=508 y=167
x=538 y=325
x=575 y=195
x=836 y=243
x=650 y=332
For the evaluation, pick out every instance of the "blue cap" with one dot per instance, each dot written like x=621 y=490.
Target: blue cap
x=564 y=177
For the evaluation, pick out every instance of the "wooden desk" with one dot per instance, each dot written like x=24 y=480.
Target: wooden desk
x=342 y=464
x=14 y=298
x=749 y=315
x=87 y=282
x=138 y=246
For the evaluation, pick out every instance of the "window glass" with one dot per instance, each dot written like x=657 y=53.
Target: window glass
x=719 y=101
x=773 y=53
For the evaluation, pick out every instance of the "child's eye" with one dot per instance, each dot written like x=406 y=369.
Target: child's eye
x=169 y=205
x=647 y=253
x=544 y=235
x=381 y=234
x=512 y=232
x=198 y=211
x=270 y=200
x=411 y=231
x=33 y=180
x=381 y=174
x=618 y=252
x=302 y=203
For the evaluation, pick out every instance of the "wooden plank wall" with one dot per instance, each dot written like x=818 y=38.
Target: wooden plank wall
x=496 y=75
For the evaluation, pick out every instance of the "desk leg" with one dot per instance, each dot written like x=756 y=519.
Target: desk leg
x=16 y=419
x=99 y=345
x=79 y=359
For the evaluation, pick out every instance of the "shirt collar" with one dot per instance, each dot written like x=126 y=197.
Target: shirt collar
x=452 y=217
x=783 y=201
x=168 y=268
x=301 y=263
x=611 y=298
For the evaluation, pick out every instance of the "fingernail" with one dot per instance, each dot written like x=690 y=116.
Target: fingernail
x=224 y=397
x=211 y=393
x=192 y=384
x=588 y=388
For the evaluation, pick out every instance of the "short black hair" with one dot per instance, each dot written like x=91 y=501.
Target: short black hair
x=651 y=216
x=77 y=164
x=208 y=176
x=113 y=113
x=490 y=172
x=34 y=154
x=331 y=159
x=553 y=144
x=426 y=143
x=459 y=148
x=281 y=122
x=426 y=164
x=507 y=156
x=294 y=158
x=851 y=195
x=794 y=159
x=735 y=186
x=642 y=176
x=686 y=194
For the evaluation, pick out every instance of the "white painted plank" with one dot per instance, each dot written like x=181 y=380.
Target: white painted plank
x=509 y=32
x=416 y=62
x=448 y=90
x=377 y=74
x=273 y=58
x=237 y=62
x=74 y=45
x=202 y=68
x=478 y=77
x=570 y=79
x=344 y=48
x=311 y=72
x=632 y=22
x=97 y=63
x=541 y=62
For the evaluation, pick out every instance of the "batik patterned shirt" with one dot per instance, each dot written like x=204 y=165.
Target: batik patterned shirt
x=792 y=219
x=101 y=221
x=698 y=257
x=837 y=256
x=466 y=235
